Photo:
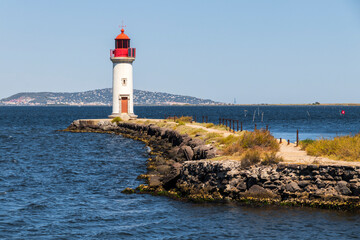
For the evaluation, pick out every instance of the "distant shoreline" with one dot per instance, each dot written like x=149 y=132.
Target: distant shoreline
x=182 y=105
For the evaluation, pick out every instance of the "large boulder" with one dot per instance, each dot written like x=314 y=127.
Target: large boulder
x=342 y=188
x=292 y=187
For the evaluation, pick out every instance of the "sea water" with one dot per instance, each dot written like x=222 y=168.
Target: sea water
x=61 y=185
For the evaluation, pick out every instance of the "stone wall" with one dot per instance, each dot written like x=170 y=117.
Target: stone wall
x=283 y=181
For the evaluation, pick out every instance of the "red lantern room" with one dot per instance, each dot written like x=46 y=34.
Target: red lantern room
x=122 y=47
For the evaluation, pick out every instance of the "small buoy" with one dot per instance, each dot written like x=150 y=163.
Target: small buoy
x=343 y=112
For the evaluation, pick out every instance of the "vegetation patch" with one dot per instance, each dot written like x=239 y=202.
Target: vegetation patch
x=209 y=125
x=250 y=158
x=271 y=158
x=116 y=120
x=260 y=140
x=345 y=148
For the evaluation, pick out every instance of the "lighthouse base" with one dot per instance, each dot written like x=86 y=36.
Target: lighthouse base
x=124 y=116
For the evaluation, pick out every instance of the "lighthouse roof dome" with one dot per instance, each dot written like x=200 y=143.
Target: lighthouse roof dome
x=122 y=35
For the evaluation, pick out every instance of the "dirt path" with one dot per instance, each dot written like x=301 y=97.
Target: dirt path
x=290 y=153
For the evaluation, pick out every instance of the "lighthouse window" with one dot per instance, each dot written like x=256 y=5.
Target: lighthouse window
x=123 y=81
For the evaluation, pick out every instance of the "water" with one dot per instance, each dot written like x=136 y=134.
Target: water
x=59 y=185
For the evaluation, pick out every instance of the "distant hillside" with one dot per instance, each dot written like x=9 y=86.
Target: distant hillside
x=99 y=97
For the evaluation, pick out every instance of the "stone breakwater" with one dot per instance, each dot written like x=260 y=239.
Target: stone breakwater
x=327 y=186
x=179 y=167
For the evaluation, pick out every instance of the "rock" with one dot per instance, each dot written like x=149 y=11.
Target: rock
x=154 y=181
x=355 y=188
x=173 y=153
x=303 y=183
x=195 y=142
x=259 y=192
x=163 y=169
x=187 y=152
x=274 y=176
x=128 y=191
x=201 y=152
x=241 y=186
x=292 y=187
x=264 y=175
x=342 y=188
x=251 y=181
x=319 y=183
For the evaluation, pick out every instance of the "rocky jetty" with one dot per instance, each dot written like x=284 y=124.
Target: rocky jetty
x=181 y=167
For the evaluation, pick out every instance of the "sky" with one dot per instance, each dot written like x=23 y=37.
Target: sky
x=259 y=51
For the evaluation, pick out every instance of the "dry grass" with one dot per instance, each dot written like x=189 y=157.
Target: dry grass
x=340 y=148
x=271 y=158
x=261 y=140
x=212 y=138
x=209 y=125
x=251 y=157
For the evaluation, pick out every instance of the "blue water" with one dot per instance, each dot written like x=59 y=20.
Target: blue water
x=60 y=185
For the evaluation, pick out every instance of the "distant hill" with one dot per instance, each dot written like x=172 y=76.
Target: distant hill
x=100 y=97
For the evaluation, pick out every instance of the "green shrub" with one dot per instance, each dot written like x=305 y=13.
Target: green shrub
x=250 y=158
x=271 y=158
x=116 y=120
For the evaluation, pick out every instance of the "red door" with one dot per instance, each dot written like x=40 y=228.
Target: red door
x=124 y=105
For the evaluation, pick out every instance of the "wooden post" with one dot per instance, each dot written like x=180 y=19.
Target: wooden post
x=255 y=126
x=280 y=140
x=288 y=141
x=297 y=137
x=241 y=128
x=237 y=125
x=234 y=125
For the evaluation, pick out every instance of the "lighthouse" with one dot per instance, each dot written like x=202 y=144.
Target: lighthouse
x=122 y=58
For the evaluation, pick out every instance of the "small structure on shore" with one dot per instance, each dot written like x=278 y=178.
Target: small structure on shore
x=122 y=57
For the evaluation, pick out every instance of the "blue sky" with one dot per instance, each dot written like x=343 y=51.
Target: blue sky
x=258 y=51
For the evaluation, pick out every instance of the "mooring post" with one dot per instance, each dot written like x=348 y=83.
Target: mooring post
x=255 y=126
x=280 y=140
x=288 y=141
x=297 y=137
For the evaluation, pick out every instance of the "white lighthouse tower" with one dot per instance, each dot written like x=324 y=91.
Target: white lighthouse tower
x=122 y=57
